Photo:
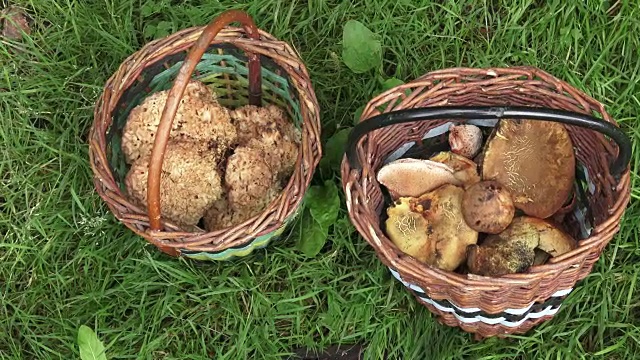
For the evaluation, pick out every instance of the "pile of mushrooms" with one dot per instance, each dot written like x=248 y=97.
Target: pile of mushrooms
x=222 y=166
x=487 y=209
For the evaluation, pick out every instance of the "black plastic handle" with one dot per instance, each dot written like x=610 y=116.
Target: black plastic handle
x=493 y=113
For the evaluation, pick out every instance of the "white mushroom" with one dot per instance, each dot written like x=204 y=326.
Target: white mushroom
x=465 y=140
x=414 y=177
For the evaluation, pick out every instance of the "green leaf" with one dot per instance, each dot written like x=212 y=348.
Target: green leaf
x=361 y=51
x=146 y=10
x=335 y=148
x=391 y=83
x=358 y=114
x=91 y=347
x=312 y=236
x=323 y=203
x=149 y=31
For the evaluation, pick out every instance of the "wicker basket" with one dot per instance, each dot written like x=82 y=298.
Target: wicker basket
x=415 y=113
x=242 y=66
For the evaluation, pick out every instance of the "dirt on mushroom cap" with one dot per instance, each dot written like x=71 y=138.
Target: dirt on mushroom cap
x=514 y=249
x=535 y=161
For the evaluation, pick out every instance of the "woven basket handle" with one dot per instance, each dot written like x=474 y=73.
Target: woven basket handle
x=493 y=113
x=177 y=91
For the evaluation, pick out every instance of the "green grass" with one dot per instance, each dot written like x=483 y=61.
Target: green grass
x=65 y=261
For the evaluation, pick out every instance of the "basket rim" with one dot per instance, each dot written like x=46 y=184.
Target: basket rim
x=415 y=271
x=282 y=207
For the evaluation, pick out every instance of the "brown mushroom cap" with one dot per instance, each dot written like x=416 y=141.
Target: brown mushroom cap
x=551 y=239
x=535 y=161
x=487 y=207
x=414 y=177
x=431 y=228
x=499 y=256
x=465 y=170
x=513 y=250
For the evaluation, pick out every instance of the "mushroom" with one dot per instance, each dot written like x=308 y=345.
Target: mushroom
x=535 y=161
x=269 y=127
x=189 y=183
x=540 y=257
x=465 y=140
x=487 y=207
x=222 y=215
x=431 y=228
x=465 y=170
x=514 y=249
x=199 y=118
x=413 y=177
x=249 y=179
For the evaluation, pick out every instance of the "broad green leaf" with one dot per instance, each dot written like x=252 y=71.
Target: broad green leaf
x=335 y=148
x=147 y=10
x=91 y=347
x=361 y=51
x=312 y=236
x=323 y=203
x=391 y=83
x=149 y=31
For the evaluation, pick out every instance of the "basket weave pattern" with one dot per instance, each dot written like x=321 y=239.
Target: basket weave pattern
x=514 y=293
x=171 y=239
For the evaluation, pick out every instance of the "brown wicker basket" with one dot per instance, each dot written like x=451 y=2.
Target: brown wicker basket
x=241 y=66
x=411 y=114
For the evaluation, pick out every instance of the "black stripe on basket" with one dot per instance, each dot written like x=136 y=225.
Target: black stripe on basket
x=554 y=302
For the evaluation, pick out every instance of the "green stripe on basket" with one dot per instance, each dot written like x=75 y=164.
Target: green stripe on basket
x=228 y=254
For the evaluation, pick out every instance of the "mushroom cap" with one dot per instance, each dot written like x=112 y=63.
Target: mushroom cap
x=465 y=170
x=249 y=178
x=535 y=161
x=222 y=215
x=189 y=182
x=431 y=228
x=414 y=177
x=500 y=256
x=514 y=249
x=465 y=140
x=487 y=207
x=551 y=239
x=199 y=118
x=270 y=128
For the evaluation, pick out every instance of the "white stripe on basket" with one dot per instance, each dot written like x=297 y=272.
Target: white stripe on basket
x=521 y=311
x=494 y=321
